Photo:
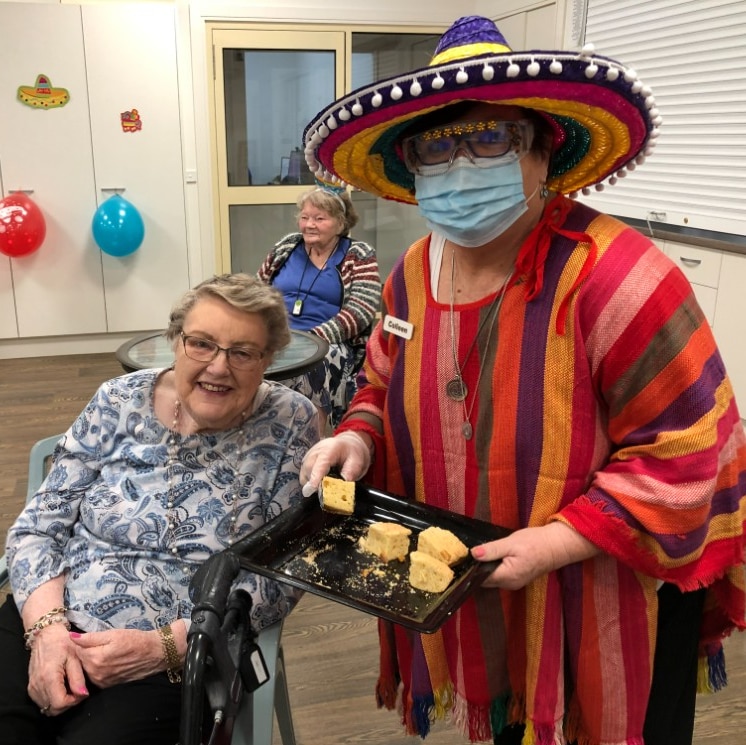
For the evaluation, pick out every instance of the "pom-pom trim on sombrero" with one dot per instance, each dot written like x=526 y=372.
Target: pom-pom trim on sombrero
x=605 y=120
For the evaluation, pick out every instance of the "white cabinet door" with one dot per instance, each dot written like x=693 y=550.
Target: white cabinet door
x=131 y=61
x=707 y=299
x=701 y=265
x=58 y=289
x=702 y=268
x=730 y=316
x=8 y=318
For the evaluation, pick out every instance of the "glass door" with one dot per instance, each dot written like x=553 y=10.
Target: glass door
x=268 y=84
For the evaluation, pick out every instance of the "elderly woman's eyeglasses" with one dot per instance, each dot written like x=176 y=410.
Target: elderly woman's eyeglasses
x=433 y=151
x=204 y=350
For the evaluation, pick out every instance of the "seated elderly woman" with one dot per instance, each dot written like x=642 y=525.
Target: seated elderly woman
x=332 y=288
x=161 y=470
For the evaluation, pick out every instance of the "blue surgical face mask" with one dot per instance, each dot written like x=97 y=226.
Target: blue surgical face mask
x=471 y=204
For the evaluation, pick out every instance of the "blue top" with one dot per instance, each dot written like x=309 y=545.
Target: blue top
x=319 y=291
x=100 y=515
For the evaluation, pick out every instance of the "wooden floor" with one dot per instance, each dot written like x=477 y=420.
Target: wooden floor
x=330 y=650
x=40 y=396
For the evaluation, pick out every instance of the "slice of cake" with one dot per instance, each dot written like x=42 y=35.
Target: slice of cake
x=428 y=573
x=338 y=495
x=388 y=541
x=442 y=544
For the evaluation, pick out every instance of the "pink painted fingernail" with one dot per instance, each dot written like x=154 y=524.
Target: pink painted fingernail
x=83 y=691
x=75 y=635
x=477 y=552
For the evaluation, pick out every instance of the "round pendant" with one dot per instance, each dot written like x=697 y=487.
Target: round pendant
x=456 y=389
x=467 y=430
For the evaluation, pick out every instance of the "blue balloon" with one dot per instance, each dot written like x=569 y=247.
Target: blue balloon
x=118 y=227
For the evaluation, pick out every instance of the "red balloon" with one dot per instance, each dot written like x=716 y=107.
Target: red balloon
x=22 y=225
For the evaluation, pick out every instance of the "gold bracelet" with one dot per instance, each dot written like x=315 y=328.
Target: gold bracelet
x=170 y=654
x=56 y=615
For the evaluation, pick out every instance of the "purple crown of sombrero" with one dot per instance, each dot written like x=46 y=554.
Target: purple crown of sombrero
x=470 y=30
x=605 y=120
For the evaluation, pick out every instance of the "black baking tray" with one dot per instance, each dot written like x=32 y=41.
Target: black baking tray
x=318 y=551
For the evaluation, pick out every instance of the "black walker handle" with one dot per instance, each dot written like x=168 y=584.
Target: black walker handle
x=210 y=670
x=212 y=582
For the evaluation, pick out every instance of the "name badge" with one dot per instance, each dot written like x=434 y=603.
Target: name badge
x=397 y=327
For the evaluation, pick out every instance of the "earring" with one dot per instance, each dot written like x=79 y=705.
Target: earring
x=543 y=192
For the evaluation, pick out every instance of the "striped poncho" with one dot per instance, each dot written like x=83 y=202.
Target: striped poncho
x=604 y=403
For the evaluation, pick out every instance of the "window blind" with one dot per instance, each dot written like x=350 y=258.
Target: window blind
x=692 y=53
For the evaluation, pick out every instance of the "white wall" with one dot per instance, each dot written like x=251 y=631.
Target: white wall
x=73 y=158
x=523 y=19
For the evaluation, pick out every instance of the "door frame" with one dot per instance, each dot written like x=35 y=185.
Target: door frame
x=225 y=34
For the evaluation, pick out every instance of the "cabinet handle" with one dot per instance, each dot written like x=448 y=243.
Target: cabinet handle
x=690 y=262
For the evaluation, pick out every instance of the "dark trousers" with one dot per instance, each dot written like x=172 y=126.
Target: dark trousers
x=669 y=719
x=143 y=712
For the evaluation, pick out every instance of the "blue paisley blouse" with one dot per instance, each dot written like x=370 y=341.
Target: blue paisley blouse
x=100 y=517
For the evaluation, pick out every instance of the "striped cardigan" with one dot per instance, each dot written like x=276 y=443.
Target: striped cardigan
x=604 y=404
x=360 y=284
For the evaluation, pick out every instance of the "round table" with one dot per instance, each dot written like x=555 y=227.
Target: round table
x=151 y=349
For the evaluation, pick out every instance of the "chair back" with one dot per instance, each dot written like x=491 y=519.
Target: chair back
x=38 y=467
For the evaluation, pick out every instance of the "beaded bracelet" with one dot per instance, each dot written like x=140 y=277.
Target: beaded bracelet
x=170 y=654
x=56 y=615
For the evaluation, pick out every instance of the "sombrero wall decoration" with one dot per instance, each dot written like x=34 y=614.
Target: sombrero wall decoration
x=604 y=118
x=42 y=95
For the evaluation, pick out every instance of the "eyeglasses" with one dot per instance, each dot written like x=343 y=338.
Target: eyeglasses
x=433 y=151
x=204 y=350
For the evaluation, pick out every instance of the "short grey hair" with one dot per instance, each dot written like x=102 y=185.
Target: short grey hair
x=335 y=203
x=245 y=293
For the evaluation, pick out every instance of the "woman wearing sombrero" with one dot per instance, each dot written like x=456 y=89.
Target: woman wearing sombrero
x=545 y=367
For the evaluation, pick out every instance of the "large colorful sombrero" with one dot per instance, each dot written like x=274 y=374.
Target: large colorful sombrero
x=605 y=120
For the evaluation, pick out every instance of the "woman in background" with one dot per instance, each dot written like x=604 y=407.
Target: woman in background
x=332 y=288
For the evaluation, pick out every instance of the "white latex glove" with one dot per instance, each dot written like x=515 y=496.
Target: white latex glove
x=346 y=451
